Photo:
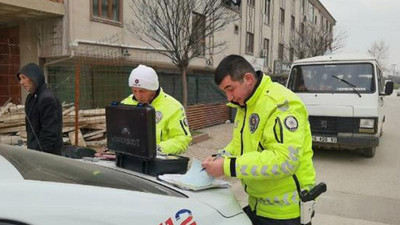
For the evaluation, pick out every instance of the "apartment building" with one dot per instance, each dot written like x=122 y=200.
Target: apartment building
x=87 y=43
x=268 y=26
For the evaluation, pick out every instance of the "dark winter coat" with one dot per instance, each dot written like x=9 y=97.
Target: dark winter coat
x=43 y=114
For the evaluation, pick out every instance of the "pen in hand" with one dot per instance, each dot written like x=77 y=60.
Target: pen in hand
x=215 y=157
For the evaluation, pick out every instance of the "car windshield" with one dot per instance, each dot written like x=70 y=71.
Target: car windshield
x=333 y=78
x=34 y=165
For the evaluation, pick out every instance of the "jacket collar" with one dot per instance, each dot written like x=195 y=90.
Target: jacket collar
x=262 y=81
x=159 y=94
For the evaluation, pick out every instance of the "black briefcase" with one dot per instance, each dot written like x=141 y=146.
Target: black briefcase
x=153 y=167
x=131 y=130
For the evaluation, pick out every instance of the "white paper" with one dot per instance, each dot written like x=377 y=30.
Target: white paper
x=195 y=179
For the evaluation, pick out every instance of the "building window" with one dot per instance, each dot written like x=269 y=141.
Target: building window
x=302 y=6
x=292 y=23
x=282 y=16
x=265 y=51
x=280 y=51
x=107 y=11
x=291 y=54
x=302 y=29
x=267 y=10
x=311 y=12
x=249 y=43
x=293 y=6
x=199 y=32
x=236 y=29
x=251 y=2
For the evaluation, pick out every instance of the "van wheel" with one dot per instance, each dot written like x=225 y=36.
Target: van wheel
x=368 y=152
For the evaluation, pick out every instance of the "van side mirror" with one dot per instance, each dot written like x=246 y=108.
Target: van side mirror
x=388 y=87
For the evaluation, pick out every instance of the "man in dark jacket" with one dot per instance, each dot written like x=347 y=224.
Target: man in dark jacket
x=43 y=111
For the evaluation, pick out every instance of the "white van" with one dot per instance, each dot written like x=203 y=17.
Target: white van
x=344 y=97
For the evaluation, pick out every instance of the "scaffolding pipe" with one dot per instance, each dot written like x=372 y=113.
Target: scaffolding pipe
x=77 y=71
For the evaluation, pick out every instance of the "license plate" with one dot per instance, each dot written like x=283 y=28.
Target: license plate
x=324 y=139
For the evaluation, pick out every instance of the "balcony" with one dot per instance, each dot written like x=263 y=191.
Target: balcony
x=14 y=11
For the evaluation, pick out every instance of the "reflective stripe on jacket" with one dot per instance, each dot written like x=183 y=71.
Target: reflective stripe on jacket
x=271 y=142
x=172 y=131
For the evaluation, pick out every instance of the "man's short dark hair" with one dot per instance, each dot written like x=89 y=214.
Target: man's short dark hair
x=235 y=66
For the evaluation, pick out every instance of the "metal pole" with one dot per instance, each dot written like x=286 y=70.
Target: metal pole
x=77 y=71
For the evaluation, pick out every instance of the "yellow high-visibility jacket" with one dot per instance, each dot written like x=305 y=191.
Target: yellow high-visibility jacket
x=172 y=130
x=271 y=142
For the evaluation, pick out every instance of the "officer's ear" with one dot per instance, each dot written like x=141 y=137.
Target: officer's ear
x=249 y=79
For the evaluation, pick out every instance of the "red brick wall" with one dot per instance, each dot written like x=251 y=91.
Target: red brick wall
x=205 y=115
x=9 y=65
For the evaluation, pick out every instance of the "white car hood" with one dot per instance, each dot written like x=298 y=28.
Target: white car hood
x=221 y=199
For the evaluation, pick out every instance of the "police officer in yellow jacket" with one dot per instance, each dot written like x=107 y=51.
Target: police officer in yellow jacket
x=173 y=135
x=271 y=145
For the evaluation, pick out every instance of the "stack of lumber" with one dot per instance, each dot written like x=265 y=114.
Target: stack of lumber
x=91 y=125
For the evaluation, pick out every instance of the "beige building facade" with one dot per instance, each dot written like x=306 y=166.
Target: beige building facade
x=60 y=34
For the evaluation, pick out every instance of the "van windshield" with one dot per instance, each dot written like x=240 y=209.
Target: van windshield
x=333 y=78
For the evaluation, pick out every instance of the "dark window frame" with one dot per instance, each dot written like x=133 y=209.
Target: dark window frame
x=281 y=50
x=98 y=17
x=266 y=48
x=251 y=3
x=249 y=43
x=293 y=23
x=267 y=10
x=200 y=45
x=291 y=54
x=282 y=16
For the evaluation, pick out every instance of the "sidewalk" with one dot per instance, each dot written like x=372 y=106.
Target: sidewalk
x=219 y=137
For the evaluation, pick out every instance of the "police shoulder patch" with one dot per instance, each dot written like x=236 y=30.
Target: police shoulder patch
x=291 y=123
x=158 y=116
x=254 y=120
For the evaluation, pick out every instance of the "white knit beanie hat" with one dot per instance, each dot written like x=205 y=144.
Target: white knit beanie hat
x=144 y=77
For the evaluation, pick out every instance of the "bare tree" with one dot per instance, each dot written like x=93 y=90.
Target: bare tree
x=309 y=41
x=380 y=51
x=180 y=28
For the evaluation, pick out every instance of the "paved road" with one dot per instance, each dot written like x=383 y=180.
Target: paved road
x=361 y=191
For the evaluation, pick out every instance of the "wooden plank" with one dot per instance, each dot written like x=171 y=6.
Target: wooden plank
x=11 y=129
x=94 y=119
x=12 y=118
x=68 y=111
x=22 y=134
x=6 y=125
x=5 y=108
x=91 y=112
x=68 y=129
x=94 y=137
x=10 y=140
x=90 y=134
x=98 y=126
x=17 y=109
x=81 y=141
x=101 y=143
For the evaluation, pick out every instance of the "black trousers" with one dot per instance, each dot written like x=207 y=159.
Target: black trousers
x=259 y=220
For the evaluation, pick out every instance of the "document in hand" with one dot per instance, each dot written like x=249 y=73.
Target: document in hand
x=195 y=179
